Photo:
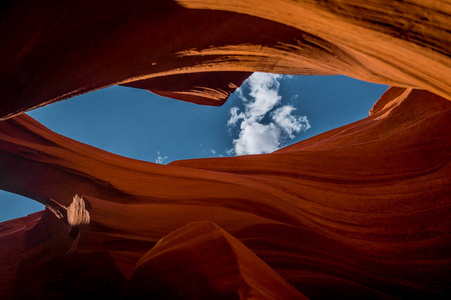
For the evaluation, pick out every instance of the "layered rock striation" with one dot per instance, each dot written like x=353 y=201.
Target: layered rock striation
x=200 y=51
x=228 y=269
x=362 y=211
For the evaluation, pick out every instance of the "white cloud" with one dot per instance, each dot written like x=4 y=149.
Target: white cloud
x=234 y=116
x=257 y=136
x=264 y=89
x=288 y=123
x=160 y=159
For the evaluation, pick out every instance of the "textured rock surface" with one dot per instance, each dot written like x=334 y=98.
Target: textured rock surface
x=362 y=211
x=229 y=270
x=57 y=50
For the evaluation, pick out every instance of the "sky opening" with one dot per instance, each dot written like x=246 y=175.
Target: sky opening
x=267 y=113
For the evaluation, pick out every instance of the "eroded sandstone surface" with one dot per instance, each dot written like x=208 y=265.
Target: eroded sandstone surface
x=201 y=50
x=362 y=211
x=359 y=211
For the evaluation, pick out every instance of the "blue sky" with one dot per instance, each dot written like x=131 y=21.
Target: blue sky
x=268 y=112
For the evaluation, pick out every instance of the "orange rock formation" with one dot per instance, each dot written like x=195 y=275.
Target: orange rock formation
x=229 y=269
x=362 y=211
x=58 y=50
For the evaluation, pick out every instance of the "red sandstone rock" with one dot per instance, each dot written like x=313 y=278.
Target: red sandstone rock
x=57 y=50
x=207 y=88
x=202 y=261
x=11 y=249
x=362 y=211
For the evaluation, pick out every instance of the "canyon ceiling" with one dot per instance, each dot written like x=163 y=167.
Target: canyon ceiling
x=361 y=211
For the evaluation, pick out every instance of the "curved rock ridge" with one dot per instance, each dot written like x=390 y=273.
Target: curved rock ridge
x=362 y=211
x=207 y=88
x=11 y=250
x=68 y=48
x=51 y=266
x=202 y=261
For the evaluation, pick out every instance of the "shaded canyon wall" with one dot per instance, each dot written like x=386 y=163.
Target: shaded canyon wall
x=362 y=211
x=55 y=50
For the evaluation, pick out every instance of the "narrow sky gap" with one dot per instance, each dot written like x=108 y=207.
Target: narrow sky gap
x=138 y=124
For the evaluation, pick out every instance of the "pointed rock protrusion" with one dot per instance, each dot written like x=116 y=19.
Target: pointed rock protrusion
x=203 y=261
x=77 y=215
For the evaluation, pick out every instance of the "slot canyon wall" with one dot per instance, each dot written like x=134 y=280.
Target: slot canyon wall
x=362 y=211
